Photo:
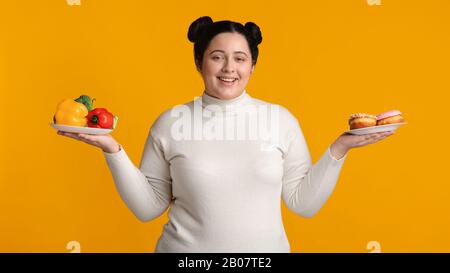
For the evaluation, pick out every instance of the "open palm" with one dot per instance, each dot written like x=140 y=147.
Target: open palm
x=105 y=142
x=353 y=141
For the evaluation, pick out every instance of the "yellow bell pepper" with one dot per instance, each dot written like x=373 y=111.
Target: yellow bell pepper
x=70 y=112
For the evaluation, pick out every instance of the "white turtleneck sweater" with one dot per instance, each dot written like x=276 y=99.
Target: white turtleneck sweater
x=224 y=191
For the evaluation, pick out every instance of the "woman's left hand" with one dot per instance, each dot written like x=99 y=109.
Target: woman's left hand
x=346 y=141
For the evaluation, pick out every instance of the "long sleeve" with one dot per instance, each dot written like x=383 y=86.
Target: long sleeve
x=307 y=187
x=224 y=192
x=147 y=190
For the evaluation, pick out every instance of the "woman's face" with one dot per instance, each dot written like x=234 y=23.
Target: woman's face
x=227 y=66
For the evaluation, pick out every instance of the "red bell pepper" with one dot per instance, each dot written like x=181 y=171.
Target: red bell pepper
x=100 y=118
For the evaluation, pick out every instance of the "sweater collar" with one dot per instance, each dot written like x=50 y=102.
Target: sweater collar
x=221 y=105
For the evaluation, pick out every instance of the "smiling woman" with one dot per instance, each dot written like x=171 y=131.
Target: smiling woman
x=224 y=193
x=225 y=54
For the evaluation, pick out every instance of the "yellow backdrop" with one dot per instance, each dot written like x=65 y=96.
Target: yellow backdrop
x=323 y=60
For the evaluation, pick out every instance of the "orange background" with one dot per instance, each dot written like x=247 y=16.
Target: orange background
x=323 y=60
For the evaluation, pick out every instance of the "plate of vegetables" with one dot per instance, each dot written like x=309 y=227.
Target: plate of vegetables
x=80 y=116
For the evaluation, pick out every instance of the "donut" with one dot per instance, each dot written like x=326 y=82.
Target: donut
x=390 y=117
x=361 y=120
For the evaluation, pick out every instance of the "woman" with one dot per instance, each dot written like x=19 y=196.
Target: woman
x=224 y=193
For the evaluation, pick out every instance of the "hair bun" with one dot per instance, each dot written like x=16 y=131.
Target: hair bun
x=197 y=27
x=254 y=32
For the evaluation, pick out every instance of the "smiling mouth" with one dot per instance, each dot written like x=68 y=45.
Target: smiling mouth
x=227 y=80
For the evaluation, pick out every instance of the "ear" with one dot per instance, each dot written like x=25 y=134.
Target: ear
x=253 y=69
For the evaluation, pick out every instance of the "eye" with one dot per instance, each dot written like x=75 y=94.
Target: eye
x=216 y=57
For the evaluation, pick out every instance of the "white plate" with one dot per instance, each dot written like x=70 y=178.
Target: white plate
x=79 y=129
x=375 y=129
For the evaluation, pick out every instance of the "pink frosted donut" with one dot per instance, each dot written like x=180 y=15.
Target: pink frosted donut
x=388 y=114
x=390 y=117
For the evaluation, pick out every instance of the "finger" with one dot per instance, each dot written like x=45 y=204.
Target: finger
x=370 y=137
x=386 y=134
x=83 y=136
x=379 y=138
x=64 y=133
x=87 y=138
x=71 y=135
x=376 y=136
x=370 y=140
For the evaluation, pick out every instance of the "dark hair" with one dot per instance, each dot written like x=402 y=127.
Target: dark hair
x=203 y=30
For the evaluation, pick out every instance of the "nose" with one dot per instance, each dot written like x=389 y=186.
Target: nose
x=228 y=67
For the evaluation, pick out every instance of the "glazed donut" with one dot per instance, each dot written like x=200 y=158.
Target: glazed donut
x=390 y=117
x=361 y=120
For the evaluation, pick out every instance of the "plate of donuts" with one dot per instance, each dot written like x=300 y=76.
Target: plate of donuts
x=363 y=124
x=375 y=129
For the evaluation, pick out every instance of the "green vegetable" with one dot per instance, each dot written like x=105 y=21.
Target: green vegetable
x=87 y=101
x=115 y=121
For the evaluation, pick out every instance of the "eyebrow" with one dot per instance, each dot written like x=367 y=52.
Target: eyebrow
x=218 y=50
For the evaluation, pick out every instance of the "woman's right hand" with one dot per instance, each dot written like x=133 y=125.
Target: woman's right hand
x=105 y=142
